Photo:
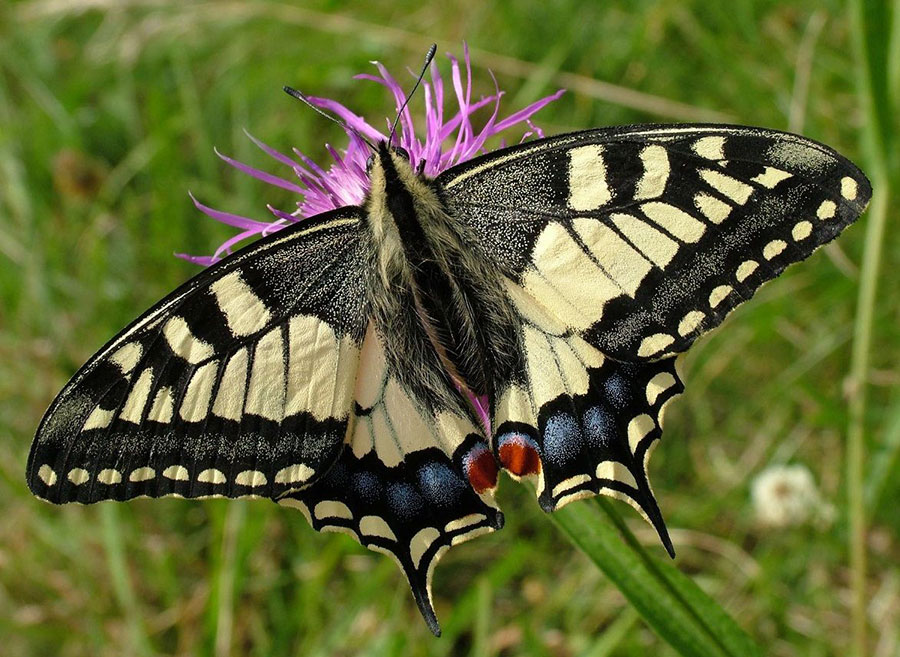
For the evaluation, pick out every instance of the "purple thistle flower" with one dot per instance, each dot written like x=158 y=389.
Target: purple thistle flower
x=447 y=140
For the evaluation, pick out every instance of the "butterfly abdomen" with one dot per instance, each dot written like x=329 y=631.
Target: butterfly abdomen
x=442 y=303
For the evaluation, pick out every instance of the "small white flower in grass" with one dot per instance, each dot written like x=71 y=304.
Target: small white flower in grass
x=786 y=495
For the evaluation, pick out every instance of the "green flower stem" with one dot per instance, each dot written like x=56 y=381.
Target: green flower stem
x=676 y=608
x=877 y=66
x=856 y=452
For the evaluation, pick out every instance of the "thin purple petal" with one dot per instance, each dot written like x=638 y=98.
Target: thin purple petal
x=235 y=220
x=345 y=182
x=261 y=175
x=268 y=150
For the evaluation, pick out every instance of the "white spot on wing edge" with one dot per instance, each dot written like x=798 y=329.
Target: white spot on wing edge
x=582 y=494
x=142 y=474
x=109 y=476
x=773 y=248
x=212 y=476
x=826 y=210
x=376 y=526
x=690 y=322
x=653 y=344
x=588 y=188
x=251 y=478
x=718 y=295
x=294 y=474
x=332 y=509
x=78 y=476
x=745 y=269
x=465 y=521
x=420 y=543
x=658 y=385
x=47 y=475
x=615 y=471
x=638 y=428
x=801 y=230
x=293 y=503
x=176 y=473
x=849 y=188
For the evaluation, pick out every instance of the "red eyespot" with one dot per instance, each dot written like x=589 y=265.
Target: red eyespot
x=481 y=469
x=518 y=456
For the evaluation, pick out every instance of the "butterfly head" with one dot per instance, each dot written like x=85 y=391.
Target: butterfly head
x=392 y=176
x=384 y=151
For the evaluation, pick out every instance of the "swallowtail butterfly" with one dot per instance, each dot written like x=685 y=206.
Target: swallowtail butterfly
x=329 y=366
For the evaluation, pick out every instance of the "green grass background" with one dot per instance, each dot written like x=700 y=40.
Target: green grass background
x=109 y=111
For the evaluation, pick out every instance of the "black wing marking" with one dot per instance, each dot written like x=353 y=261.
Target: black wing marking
x=410 y=483
x=238 y=383
x=580 y=423
x=642 y=238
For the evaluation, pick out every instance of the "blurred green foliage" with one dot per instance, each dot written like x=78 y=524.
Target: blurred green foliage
x=109 y=111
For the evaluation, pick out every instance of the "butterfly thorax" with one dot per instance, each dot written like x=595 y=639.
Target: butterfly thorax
x=433 y=291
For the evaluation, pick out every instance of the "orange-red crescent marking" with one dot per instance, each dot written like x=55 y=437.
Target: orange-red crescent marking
x=482 y=472
x=519 y=459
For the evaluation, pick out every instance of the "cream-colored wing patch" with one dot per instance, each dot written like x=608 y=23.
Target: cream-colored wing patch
x=588 y=186
x=566 y=279
x=321 y=369
x=393 y=423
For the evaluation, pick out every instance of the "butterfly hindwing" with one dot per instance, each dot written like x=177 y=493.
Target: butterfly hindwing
x=238 y=383
x=577 y=422
x=644 y=237
x=411 y=482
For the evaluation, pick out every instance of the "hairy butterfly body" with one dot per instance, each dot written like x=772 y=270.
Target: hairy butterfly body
x=331 y=366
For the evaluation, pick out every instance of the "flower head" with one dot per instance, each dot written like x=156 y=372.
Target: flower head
x=448 y=138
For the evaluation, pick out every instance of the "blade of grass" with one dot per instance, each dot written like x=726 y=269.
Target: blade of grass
x=613 y=635
x=886 y=462
x=871 y=26
x=676 y=608
x=121 y=581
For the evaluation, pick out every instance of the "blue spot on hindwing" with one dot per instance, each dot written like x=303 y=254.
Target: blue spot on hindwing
x=367 y=486
x=440 y=485
x=599 y=427
x=562 y=439
x=404 y=500
x=616 y=389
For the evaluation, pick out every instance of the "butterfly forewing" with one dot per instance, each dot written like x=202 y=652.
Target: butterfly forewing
x=239 y=383
x=642 y=238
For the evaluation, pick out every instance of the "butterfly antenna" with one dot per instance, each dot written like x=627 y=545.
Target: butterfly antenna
x=428 y=57
x=302 y=98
